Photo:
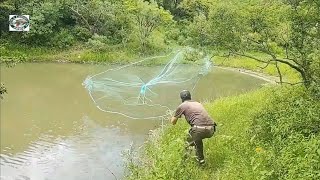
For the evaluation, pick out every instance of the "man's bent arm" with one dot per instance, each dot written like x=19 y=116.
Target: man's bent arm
x=174 y=120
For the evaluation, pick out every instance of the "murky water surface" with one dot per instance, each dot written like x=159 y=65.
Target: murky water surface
x=51 y=129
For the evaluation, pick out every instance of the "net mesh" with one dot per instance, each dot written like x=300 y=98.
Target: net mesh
x=148 y=88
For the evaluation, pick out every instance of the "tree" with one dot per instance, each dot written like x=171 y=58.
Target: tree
x=193 y=8
x=146 y=17
x=288 y=32
x=45 y=22
x=6 y=8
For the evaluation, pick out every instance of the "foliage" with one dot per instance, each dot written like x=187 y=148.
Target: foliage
x=260 y=136
x=137 y=25
x=63 y=39
x=192 y=55
x=289 y=131
x=44 y=22
x=6 y=8
x=80 y=33
x=286 y=31
x=97 y=42
x=146 y=17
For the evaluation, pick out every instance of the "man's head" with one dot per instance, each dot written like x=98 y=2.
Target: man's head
x=185 y=95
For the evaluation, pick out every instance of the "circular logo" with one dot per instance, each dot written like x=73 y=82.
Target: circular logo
x=19 y=22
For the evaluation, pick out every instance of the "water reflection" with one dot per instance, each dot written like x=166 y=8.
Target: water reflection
x=94 y=153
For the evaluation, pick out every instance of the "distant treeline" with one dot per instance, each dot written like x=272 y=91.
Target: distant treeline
x=286 y=31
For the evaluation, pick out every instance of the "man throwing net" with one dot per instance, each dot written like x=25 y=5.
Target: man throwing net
x=202 y=126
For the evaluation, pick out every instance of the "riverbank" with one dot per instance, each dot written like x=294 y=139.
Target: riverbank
x=81 y=54
x=269 y=78
x=75 y=54
x=119 y=55
x=271 y=133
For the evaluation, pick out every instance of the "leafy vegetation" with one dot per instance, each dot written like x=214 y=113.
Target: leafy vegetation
x=131 y=26
x=285 y=32
x=272 y=133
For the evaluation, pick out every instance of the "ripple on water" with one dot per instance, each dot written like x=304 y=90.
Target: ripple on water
x=93 y=154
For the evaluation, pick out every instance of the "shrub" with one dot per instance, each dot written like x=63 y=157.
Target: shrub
x=289 y=130
x=98 y=43
x=63 y=39
x=81 y=34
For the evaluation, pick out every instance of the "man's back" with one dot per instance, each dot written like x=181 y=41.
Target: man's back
x=202 y=126
x=194 y=113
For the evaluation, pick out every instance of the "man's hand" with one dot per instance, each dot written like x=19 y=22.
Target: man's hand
x=174 y=120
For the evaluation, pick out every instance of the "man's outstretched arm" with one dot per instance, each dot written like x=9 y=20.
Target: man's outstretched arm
x=174 y=120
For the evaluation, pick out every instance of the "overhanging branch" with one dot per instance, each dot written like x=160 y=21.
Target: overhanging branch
x=275 y=59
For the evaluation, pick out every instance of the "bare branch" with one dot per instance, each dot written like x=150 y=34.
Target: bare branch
x=297 y=68
x=263 y=67
x=279 y=72
x=248 y=56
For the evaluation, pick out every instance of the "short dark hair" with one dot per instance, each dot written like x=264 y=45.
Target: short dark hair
x=185 y=95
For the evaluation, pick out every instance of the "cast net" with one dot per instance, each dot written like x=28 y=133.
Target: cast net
x=148 y=88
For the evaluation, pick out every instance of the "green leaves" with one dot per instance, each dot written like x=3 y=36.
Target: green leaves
x=290 y=129
x=145 y=18
x=286 y=31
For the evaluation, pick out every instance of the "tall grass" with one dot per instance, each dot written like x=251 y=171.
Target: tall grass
x=247 y=145
x=78 y=54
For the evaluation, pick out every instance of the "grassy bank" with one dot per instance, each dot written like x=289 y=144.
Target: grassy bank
x=76 y=54
x=272 y=133
x=122 y=55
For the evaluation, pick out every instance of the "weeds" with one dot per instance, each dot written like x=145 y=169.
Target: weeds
x=272 y=133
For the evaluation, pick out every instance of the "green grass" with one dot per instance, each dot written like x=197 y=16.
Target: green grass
x=163 y=158
x=83 y=54
x=76 y=54
x=241 y=149
x=120 y=55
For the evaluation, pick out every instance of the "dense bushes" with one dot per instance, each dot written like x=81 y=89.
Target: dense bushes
x=272 y=133
x=288 y=129
x=135 y=25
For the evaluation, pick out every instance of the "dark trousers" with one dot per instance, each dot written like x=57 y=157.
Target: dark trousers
x=195 y=137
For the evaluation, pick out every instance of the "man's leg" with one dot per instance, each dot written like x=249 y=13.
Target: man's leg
x=189 y=144
x=190 y=139
x=194 y=138
x=199 y=150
